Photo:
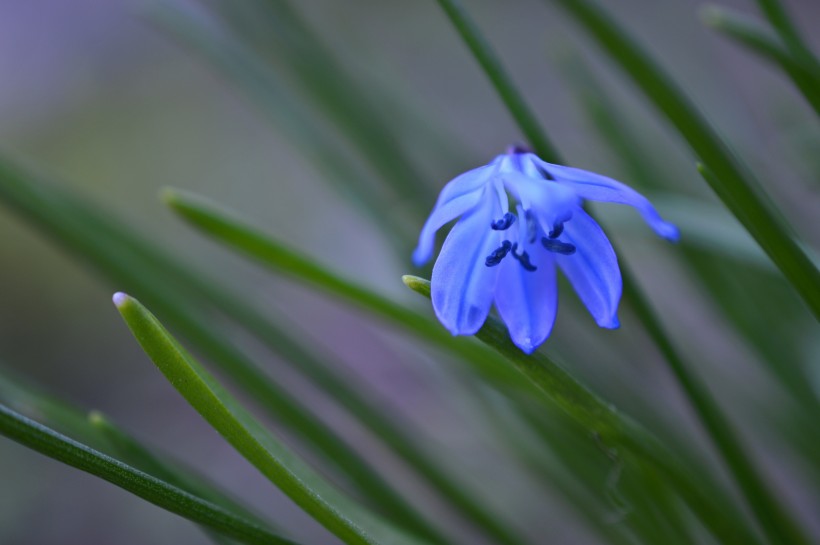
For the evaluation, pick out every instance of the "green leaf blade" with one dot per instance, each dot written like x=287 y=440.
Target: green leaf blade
x=732 y=183
x=55 y=445
x=340 y=515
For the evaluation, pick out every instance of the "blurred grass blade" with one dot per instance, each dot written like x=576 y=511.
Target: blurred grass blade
x=776 y=14
x=242 y=67
x=489 y=62
x=162 y=494
x=736 y=187
x=97 y=432
x=747 y=476
x=630 y=434
x=757 y=38
x=228 y=229
x=339 y=514
x=282 y=33
x=550 y=382
x=135 y=265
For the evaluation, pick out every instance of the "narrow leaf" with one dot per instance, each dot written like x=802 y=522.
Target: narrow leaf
x=758 y=39
x=732 y=183
x=342 y=516
x=574 y=398
x=54 y=445
x=502 y=82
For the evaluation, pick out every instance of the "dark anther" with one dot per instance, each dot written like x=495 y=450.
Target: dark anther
x=504 y=223
x=557 y=246
x=498 y=254
x=532 y=227
x=557 y=229
x=545 y=173
x=523 y=258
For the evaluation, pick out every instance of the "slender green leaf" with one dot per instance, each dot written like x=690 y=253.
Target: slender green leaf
x=180 y=294
x=489 y=62
x=244 y=68
x=582 y=406
x=280 y=32
x=780 y=20
x=342 y=516
x=54 y=445
x=757 y=38
x=732 y=183
x=589 y=410
x=97 y=432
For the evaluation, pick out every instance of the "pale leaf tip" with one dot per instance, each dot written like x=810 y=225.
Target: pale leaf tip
x=120 y=299
x=417 y=284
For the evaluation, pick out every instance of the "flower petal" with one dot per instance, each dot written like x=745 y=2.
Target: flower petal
x=528 y=300
x=459 y=196
x=552 y=202
x=462 y=285
x=593 y=268
x=594 y=187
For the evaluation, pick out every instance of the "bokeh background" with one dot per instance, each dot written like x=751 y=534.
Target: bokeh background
x=105 y=97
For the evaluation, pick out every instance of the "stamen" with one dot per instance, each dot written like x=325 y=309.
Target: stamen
x=545 y=173
x=523 y=258
x=552 y=245
x=532 y=227
x=504 y=223
x=557 y=229
x=498 y=254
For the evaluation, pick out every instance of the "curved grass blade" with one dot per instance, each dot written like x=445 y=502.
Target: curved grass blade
x=488 y=60
x=717 y=515
x=97 y=432
x=178 y=294
x=281 y=32
x=776 y=14
x=763 y=502
x=247 y=71
x=757 y=38
x=775 y=521
x=580 y=404
x=54 y=445
x=736 y=187
x=342 y=516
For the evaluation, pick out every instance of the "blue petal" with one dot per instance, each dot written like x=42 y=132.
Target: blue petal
x=552 y=202
x=594 y=187
x=459 y=196
x=462 y=286
x=528 y=301
x=593 y=268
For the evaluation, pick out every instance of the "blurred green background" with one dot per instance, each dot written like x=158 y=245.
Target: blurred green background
x=106 y=98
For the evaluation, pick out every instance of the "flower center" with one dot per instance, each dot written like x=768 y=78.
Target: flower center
x=527 y=234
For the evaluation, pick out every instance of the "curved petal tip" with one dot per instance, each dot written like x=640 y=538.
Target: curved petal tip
x=525 y=345
x=420 y=256
x=612 y=323
x=668 y=231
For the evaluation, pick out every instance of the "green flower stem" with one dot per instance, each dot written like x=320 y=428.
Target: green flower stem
x=489 y=62
x=339 y=514
x=732 y=183
x=757 y=38
x=550 y=383
x=127 y=262
x=54 y=445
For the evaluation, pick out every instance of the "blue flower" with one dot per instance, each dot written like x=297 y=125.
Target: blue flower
x=520 y=217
